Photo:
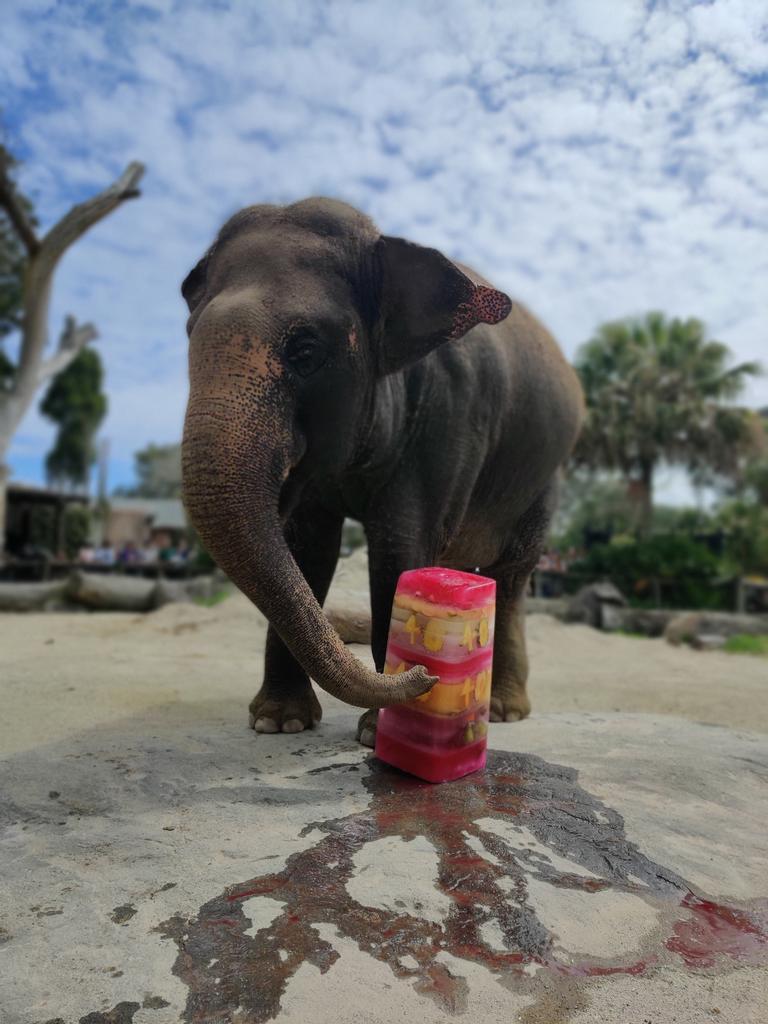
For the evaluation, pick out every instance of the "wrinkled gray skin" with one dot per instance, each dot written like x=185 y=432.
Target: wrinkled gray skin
x=337 y=372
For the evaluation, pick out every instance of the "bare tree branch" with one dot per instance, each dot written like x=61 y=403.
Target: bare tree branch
x=83 y=216
x=39 y=276
x=18 y=216
x=44 y=256
x=72 y=340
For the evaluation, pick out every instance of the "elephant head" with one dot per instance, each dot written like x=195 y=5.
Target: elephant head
x=295 y=312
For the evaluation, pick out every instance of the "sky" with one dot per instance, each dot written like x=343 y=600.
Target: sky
x=595 y=158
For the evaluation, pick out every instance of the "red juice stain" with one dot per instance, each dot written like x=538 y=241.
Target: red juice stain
x=603 y=971
x=483 y=879
x=716 y=930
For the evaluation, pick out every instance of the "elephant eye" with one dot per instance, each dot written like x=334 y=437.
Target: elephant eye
x=305 y=354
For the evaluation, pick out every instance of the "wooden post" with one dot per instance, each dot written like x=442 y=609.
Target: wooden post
x=741 y=596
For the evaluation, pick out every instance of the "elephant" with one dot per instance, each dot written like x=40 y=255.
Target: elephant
x=339 y=372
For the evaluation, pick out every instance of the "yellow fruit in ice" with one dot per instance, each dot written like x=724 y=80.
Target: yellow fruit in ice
x=389 y=671
x=412 y=628
x=468 y=640
x=483 y=686
x=434 y=635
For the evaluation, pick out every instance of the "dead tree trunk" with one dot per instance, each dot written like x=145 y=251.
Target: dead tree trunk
x=33 y=367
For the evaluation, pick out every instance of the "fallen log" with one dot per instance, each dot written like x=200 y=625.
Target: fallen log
x=685 y=627
x=111 y=593
x=30 y=597
x=352 y=624
x=174 y=591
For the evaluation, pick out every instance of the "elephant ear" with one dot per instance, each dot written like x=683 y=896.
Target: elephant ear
x=193 y=285
x=425 y=301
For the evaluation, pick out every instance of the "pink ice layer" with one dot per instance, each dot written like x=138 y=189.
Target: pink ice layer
x=430 y=764
x=438 y=747
x=448 y=588
x=453 y=670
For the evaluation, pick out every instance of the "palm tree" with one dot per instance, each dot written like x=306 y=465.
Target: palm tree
x=656 y=391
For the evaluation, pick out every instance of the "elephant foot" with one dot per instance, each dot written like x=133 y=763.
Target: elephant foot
x=366 y=728
x=293 y=713
x=511 y=707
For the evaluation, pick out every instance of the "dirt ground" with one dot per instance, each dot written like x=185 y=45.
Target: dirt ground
x=185 y=653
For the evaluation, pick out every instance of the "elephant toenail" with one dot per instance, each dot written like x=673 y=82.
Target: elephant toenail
x=368 y=738
x=265 y=725
x=293 y=725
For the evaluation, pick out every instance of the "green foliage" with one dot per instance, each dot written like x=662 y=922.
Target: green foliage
x=7 y=371
x=42 y=527
x=752 y=484
x=592 y=504
x=13 y=258
x=746 y=527
x=746 y=643
x=216 y=598
x=76 y=402
x=655 y=391
x=158 y=471
x=13 y=261
x=77 y=528
x=685 y=569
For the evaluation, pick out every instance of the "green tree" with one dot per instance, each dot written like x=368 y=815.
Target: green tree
x=76 y=403
x=754 y=481
x=656 y=391
x=12 y=263
x=158 y=472
x=28 y=263
x=12 y=257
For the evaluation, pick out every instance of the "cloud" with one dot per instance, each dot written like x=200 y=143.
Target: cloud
x=595 y=159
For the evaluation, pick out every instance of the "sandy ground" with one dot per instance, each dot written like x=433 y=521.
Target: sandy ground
x=136 y=806
x=121 y=662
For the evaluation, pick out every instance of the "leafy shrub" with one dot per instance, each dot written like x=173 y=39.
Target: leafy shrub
x=684 y=571
x=77 y=528
x=42 y=528
x=746 y=643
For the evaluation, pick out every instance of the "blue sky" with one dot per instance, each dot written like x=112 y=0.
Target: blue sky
x=595 y=158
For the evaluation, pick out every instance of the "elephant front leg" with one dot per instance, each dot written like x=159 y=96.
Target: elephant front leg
x=509 y=695
x=286 y=701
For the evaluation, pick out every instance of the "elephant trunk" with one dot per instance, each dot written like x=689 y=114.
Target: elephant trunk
x=232 y=483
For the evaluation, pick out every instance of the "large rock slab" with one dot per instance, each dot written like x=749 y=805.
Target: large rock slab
x=169 y=865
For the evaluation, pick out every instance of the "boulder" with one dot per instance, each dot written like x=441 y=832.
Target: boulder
x=708 y=641
x=598 y=605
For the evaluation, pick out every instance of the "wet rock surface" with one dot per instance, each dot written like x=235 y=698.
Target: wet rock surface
x=579 y=846
x=200 y=874
x=159 y=863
